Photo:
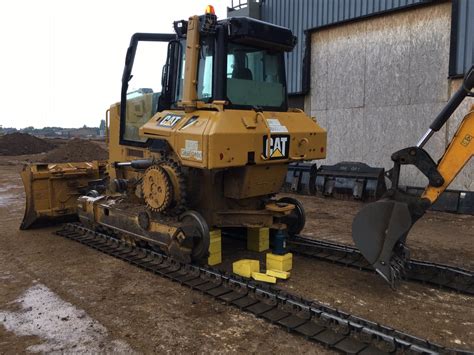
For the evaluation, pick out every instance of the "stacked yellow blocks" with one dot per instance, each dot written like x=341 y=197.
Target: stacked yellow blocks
x=258 y=239
x=278 y=267
x=215 y=247
x=280 y=262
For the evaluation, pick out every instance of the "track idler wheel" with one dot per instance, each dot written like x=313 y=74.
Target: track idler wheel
x=296 y=220
x=196 y=230
x=379 y=231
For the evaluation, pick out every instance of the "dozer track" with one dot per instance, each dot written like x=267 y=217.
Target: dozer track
x=440 y=275
x=315 y=321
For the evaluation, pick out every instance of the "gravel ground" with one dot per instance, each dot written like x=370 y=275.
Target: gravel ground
x=57 y=295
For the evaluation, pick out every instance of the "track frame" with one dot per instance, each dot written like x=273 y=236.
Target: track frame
x=311 y=319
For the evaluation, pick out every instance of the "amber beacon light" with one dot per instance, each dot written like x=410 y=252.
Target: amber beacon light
x=210 y=10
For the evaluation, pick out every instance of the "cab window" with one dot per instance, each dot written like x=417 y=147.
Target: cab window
x=255 y=77
x=205 y=69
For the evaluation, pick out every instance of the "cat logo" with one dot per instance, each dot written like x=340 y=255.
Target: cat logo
x=170 y=121
x=279 y=146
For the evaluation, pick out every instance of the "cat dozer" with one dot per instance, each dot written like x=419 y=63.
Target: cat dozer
x=209 y=149
x=380 y=229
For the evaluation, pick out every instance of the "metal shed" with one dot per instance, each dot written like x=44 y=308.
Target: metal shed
x=302 y=16
x=462 y=37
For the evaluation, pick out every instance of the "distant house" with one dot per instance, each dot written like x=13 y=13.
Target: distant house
x=84 y=132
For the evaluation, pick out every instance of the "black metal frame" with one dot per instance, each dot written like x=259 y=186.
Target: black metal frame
x=258 y=37
x=223 y=85
x=222 y=36
x=127 y=71
x=453 y=41
x=219 y=86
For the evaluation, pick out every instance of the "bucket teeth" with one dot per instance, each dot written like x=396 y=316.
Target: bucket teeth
x=395 y=269
x=379 y=231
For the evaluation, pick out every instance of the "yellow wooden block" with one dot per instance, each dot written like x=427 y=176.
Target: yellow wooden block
x=215 y=246
x=246 y=267
x=258 y=276
x=258 y=239
x=214 y=259
x=278 y=274
x=215 y=234
x=279 y=262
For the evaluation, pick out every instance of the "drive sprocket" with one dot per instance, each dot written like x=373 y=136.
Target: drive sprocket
x=164 y=187
x=157 y=189
x=178 y=181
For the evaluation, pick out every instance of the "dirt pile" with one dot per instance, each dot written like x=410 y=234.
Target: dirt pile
x=76 y=150
x=23 y=143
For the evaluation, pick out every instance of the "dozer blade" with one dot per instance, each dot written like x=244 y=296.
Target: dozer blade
x=51 y=190
x=379 y=231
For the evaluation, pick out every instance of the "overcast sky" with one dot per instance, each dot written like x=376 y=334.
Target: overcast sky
x=62 y=61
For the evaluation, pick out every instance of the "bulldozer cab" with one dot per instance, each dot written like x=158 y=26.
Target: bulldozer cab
x=238 y=61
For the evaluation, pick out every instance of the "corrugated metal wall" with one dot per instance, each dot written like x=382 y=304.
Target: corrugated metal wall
x=462 y=37
x=301 y=15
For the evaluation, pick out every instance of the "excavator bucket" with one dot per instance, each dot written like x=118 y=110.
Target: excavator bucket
x=379 y=231
x=52 y=189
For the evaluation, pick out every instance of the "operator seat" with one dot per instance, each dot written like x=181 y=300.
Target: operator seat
x=240 y=70
x=242 y=73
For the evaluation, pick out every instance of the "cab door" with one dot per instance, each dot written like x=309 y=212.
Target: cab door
x=147 y=82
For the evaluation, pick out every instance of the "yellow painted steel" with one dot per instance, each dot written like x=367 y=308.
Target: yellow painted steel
x=107 y=119
x=456 y=156
x=191 y=64
x=52 y=189
x=223 y=139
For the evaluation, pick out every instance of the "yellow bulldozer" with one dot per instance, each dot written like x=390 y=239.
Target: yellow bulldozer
x=210 y=150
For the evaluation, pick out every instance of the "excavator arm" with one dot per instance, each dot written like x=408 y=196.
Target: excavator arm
x=380 y=229
x=456 y=156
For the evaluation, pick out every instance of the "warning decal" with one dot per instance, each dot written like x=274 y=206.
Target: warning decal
x=275 y=126
x=191 y=150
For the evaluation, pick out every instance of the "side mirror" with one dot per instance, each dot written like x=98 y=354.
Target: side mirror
x=468 y=83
